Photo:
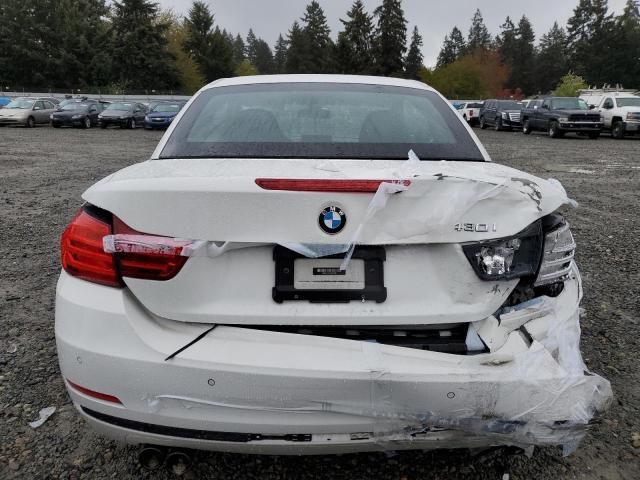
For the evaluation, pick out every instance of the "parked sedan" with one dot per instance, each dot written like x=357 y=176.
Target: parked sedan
x=162 y=114
x=501 y=114
x=27 y=111
x=77 y=114
x=297 y=269
x=123 y=115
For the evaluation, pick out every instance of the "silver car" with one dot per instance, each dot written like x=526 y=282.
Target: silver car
x=27 y=111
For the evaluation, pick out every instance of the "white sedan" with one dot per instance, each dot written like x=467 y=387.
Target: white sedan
x=315 y=264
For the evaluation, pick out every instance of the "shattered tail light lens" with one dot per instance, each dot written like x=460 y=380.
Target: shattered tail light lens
x=508 y=258
x=559 y=251
x=148 y=257
x=100 y=248
x=81 y=249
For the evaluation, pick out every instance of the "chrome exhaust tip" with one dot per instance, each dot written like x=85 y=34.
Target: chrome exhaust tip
x=151 y=457
x=178 y=462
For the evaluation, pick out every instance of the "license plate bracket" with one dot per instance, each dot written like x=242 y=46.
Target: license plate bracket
x=285 y=278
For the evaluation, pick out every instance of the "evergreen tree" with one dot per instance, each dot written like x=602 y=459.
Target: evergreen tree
x=220 y=63
x=80 y=43
x=551 y=63
x=251 y=47
x=626 y=55
x=199 y=26
x=141 y=59
x=453 y=48
x=238 y=50
x=354 y=49
x=413 y=63
x=53 y=43
x=523 y=66
x=591 y=41
x=390 y=43
x=318 y=56
x=212 y=48
x=189 y=74
x=297 y=49
x=263 y=58
x=280 y=55
x=506 y=42
x=259 y=54
x=479 y=36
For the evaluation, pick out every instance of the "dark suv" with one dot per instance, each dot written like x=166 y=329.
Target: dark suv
x=501 y=114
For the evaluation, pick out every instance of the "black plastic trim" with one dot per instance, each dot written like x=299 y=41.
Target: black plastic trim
x=232 y=437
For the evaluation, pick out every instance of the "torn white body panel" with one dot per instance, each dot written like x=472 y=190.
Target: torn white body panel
x=310 y=394
x=218 y=200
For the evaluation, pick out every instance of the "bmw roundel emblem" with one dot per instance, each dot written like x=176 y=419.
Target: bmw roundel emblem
x=332 y=220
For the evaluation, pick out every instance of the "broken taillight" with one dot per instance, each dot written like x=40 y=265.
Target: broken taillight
x=507 y=258
x=100 y=248
x=149 y=257
x=557 y=259
x=81 y=249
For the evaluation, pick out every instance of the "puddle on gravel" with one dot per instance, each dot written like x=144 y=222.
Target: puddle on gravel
x=568 y=169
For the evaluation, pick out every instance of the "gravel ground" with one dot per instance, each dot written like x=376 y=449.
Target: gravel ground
x=44 y=171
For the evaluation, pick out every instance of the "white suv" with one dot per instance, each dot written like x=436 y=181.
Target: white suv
x=620 y=111
x=324 y=263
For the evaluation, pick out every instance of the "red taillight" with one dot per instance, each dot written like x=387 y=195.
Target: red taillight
x=94 y=394
x=82 y=253
x=346 y=186
x=84 y=256
x=145 y=256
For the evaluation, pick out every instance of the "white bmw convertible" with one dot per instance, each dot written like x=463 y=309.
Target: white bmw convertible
x=316 y=264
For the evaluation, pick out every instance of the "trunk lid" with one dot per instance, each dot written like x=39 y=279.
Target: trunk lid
x=428 y=278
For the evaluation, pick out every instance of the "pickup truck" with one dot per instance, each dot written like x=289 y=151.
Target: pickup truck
x=620 y=111
x=560 y=115
x=470 y=111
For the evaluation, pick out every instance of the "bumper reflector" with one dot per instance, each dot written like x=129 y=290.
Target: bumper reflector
x=94 y=394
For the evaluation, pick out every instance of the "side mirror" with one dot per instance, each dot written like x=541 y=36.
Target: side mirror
x=535 y=107
x=592 y=107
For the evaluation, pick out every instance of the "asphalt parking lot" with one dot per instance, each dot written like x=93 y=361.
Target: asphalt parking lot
x=43 y=171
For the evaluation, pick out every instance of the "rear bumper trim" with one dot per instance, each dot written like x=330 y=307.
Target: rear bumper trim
x=190 y=433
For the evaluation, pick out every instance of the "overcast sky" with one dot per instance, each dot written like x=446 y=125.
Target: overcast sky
x=434 y=18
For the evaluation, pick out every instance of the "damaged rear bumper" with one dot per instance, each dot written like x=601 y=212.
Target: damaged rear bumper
x=246 y=390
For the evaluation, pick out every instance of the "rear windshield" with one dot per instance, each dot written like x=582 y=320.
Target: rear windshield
x=320 y=120
x=120 y=106
x=474 y=105
x=75 y=106
x=21 y=104
x=628 y=102
x=569 y=104
x=166 y=107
